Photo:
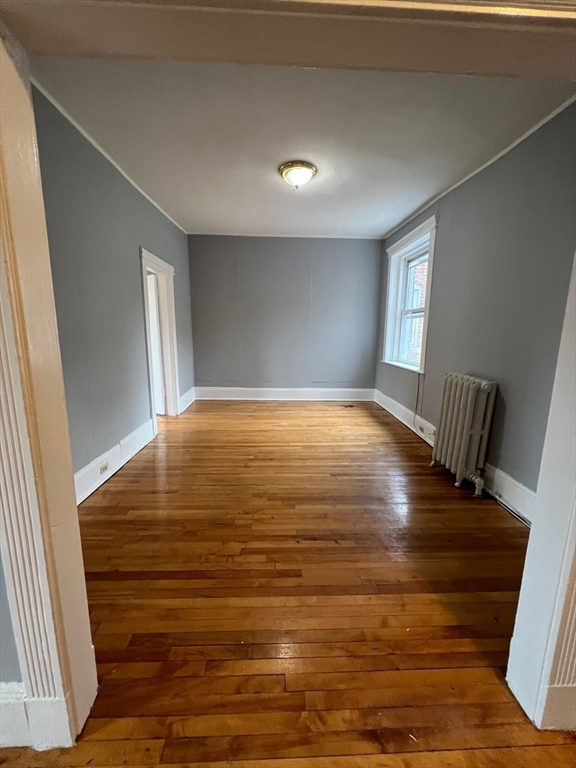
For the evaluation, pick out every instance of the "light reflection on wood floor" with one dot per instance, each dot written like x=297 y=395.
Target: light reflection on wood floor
x=289 y=585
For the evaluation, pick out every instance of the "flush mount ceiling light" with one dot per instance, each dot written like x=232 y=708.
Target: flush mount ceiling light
x=297 y=172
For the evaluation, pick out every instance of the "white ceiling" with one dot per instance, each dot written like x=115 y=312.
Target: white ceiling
x=204 y=140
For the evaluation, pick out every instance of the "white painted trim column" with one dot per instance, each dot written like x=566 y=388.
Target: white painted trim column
x=40 y=537
x=542 y=665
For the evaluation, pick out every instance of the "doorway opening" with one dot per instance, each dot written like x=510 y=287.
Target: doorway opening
x=156 y=363
x=160 y=322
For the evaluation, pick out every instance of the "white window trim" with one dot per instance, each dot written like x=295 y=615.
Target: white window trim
x=398 y=254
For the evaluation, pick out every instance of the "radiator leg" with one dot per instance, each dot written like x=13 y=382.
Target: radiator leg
x=479 y=483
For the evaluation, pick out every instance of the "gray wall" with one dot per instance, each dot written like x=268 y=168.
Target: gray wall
x=504 y=249
x=97 y=222
x=9 y=666
x=284 y=312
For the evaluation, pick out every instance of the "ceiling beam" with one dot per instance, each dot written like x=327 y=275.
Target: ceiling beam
x=529 y=38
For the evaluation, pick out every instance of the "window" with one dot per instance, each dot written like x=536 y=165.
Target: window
x=409 y=278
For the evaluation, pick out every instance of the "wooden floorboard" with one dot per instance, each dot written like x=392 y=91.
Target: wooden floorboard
x=290 y=585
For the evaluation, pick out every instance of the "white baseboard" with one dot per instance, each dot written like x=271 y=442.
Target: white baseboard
x=417 y=424
x=504 y=488
x=38 y=723
x=90 y=477
x=12 y=691
x=186 y=400
x=510 y=492
x=14 y=730
x=273 y=393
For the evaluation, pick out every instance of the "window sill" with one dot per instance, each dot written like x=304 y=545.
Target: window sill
x=405 y=366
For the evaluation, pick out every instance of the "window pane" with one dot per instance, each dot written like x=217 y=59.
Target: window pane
x=411 y=339
x=417 y=273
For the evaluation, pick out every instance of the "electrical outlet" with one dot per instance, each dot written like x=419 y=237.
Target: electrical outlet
x=104 y=468
x=425 y=430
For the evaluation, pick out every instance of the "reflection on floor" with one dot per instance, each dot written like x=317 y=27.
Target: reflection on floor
x=289 y=585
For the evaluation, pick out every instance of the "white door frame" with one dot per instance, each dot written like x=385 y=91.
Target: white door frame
x=40 y=538
x=40 y=535
x=167 y=315
x=542 y=668
x=157 y=362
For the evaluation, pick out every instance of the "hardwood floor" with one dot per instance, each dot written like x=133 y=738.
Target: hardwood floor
x=290 y=585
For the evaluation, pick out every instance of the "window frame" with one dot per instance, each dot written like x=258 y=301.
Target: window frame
x=411 y=247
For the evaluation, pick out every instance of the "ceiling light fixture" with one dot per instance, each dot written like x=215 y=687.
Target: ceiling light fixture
x=297 y=172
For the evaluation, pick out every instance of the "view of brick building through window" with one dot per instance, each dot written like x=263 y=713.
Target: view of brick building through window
x=413 y=315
